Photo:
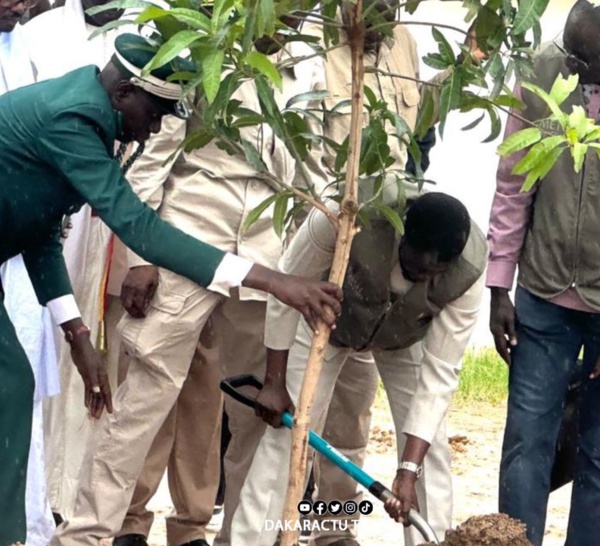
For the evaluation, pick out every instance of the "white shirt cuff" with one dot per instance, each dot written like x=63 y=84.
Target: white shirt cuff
x=231 y=272
x=63 y=309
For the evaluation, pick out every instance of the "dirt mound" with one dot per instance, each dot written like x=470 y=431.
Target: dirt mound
x=458 y=443
x=381 y=439
x=490 y=530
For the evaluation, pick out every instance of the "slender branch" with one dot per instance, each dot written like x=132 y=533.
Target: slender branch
x=440 y=25
x=400 y=76
x=295 y=60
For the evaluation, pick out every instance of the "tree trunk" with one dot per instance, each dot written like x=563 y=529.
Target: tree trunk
x=347 y=229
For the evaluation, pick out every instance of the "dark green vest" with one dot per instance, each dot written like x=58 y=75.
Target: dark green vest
x=561 y=246
x=375 y=318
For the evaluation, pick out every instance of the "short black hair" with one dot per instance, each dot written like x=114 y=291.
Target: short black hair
x=437 y=222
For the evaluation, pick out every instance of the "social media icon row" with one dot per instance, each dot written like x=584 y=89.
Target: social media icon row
x=335 y=507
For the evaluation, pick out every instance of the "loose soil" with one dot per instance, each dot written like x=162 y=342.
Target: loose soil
x=490 y=530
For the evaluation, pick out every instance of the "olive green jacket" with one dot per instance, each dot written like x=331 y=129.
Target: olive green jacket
x=56 y=153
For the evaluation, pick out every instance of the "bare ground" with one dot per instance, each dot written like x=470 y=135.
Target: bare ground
x=476 y=436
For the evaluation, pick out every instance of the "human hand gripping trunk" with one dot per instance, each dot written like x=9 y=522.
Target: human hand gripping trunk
x=314 y=299
x=502 y=322
x=90 y=366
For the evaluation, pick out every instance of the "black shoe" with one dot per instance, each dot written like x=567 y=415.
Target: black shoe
x=57 y=518
x=130 y=540
x=197 y=542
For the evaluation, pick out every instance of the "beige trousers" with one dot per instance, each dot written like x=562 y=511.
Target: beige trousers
x=263 y=495
x=234 y=338
x=161 y=348
x=187 y=445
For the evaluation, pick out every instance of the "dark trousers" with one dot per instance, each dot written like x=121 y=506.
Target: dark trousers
x=16 y=410
x=544 y=362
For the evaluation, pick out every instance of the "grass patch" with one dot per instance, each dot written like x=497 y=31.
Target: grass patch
x=483 y=378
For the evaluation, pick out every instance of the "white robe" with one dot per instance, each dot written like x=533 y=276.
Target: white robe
x=31 y=321
x=58 y=43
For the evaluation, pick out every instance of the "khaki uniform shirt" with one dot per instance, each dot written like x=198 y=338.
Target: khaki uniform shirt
x=209 y=193
x=397 y=55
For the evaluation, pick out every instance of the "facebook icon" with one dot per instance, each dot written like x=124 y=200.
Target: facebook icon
x=320 y=507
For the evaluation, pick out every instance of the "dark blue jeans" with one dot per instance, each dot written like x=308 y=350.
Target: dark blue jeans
x=544 y=362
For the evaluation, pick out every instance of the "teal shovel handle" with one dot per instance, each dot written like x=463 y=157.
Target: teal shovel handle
x=231 y=387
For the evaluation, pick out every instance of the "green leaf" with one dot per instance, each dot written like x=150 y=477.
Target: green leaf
x=474 y=123
x=269 y=107
x=449 y=97
x=393 y=218
x=496 y=124
x=255 y=213
x=370 y=96
x=435 y=60
x=578 y=121
x=253 y=156
x=519 y=140
x=528 y=13
x=261 y=62
x=280 y=213
x=563 y=87
x=446 y=50
x=594 y=134
x=537 y=153
x=426 y=113
x=560 y=116
x=578 y=152
x=488 y=26
x=172 y=48
x=198 y=139
x=118 y=4
x=311 y=96
x=211 y=68
x=150 y=14
x=546 y=163
x=192 y=18
x=265 y=18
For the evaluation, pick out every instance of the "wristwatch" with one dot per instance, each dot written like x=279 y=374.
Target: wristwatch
x=412 y=467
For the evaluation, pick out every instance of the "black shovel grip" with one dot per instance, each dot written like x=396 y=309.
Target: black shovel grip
x=231 y=387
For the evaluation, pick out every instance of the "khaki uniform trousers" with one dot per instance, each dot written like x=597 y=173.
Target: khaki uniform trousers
x=263 y=495
x=161 y=347
x=188 y=443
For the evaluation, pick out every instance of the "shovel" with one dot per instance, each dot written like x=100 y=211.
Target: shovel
x=231 y=387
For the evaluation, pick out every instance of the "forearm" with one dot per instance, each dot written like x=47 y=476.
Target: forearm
x=415 y=450
x=510 y=214
x=276 y=367
x=261 y=278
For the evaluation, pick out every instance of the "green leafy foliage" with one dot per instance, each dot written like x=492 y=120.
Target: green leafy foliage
x=220 y=41
x=578 y=134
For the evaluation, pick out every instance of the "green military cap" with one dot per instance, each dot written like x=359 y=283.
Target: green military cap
x=133 y=53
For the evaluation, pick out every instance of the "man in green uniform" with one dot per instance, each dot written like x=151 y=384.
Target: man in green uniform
x=56 y=152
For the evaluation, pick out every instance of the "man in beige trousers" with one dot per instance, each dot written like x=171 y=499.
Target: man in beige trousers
x=206 y=193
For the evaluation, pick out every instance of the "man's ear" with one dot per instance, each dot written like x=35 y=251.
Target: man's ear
x=123 y=90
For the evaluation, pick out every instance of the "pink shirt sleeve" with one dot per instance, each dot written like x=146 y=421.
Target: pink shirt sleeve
x=510 y=214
